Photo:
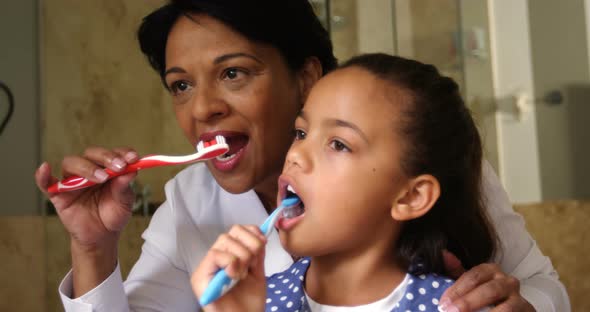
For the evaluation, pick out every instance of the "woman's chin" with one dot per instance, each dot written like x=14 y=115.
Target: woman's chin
x=234 y=183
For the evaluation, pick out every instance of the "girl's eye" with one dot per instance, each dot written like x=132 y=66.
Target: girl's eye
x=299 y=134
x=339 y=146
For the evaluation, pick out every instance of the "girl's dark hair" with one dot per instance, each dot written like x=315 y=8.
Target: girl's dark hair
x=441 y=140
x=290 y=26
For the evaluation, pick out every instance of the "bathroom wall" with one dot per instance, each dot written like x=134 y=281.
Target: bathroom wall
x=19 y=143
x=98 y=88
x=560 y=62
x=35 y=258
x=437 y=41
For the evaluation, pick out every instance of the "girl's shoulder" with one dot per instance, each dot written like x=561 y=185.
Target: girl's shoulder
x=423 y=292
x=296 y=270
x=284 y=290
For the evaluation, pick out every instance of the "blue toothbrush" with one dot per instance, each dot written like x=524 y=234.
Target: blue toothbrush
x=221 y=282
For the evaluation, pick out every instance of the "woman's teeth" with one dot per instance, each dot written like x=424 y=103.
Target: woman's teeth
x=290 y=189
x=226 y=157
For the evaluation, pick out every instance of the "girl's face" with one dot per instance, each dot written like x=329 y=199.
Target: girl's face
x=223 y=83
x=344 y=164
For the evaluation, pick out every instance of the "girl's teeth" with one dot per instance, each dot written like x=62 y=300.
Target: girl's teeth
x=293 y=212
x=290 y=189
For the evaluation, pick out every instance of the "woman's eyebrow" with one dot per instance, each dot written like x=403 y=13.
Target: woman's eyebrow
x=225 y=57
x=217 y=60
x=174 y=70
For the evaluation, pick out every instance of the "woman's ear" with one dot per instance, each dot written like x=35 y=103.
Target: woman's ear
x=309 y=75
x=417 y=199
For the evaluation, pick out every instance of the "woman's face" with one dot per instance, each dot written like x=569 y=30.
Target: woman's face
x=223 y=83
x=345 y=166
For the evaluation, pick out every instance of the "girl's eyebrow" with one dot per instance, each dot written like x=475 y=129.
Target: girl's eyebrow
x=335 y=122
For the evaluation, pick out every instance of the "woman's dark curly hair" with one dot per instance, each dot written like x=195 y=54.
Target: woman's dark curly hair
x=290 y=26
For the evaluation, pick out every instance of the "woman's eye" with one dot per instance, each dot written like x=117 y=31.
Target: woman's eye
x=179 y=86
x=299 y=134
x=232 y=73
x=339 y=146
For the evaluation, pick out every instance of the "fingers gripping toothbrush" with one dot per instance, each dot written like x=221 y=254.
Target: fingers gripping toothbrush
x=221 y=283
x=205 y=151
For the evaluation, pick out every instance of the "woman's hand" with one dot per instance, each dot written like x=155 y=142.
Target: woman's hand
x=94 y=216
x=482 y=286
x=241 y=253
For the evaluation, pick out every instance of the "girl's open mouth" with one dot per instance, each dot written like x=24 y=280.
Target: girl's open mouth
x=291 y=215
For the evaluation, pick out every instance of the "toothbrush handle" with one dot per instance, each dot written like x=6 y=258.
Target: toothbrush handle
x=217 y=287
x=76 y=182
x=221 y=283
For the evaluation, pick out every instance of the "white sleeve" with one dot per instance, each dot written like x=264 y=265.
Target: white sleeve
x=520 y=256
x=110 y=292
x=157 y=281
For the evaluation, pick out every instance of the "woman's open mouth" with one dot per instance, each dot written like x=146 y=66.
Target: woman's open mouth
x=230 y=160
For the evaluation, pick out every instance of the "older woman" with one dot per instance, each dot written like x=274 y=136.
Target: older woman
x=241 y=69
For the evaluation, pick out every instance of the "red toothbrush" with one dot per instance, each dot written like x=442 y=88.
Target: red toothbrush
x=205 y=151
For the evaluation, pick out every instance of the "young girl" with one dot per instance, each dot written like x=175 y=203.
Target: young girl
x=386 y=161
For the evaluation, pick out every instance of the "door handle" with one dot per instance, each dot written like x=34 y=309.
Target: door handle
x=552 y=98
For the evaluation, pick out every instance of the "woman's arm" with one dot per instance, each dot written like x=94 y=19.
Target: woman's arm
x=523 y=276
x=157 y=282
x=93 y=217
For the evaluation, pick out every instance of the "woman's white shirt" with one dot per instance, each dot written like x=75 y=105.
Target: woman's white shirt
x=197 y=211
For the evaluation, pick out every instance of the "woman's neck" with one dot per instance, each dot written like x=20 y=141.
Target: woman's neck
x=342 y=280
x=267 y=192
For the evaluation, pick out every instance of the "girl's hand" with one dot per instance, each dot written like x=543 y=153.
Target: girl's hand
x=96 y=215
x=241 y=253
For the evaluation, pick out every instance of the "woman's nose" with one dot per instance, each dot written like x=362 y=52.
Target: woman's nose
x=208 y=106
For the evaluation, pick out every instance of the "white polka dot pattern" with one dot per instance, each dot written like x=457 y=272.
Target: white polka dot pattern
x=285 y=291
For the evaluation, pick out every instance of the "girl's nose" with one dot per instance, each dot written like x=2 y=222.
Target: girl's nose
x=208 y=106
x=298 y=157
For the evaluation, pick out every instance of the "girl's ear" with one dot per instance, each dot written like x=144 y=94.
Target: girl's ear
x=417 y=199
x=309 y=75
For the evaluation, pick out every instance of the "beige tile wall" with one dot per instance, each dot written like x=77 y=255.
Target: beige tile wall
x=59 y=261
x=22 y=277
x=35 y=258
x=562 y=232
x=98 y=89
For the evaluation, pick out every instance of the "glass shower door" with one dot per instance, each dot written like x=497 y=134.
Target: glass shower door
x=450 y=34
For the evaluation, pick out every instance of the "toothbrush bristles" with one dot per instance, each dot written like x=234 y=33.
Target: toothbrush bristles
x=292 y=211
x=200 y=146
x=219 y=139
